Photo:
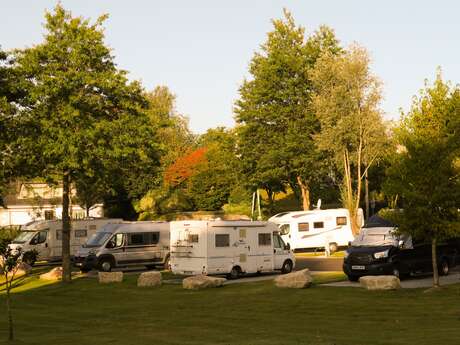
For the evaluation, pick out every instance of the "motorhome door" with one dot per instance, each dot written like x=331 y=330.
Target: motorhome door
x=40 y=243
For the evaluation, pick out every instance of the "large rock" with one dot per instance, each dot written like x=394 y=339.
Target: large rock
x=295 y=280
x=380 y=282
x=151 y=278
x=110 y=277
x=202 y=282
x=54 y=274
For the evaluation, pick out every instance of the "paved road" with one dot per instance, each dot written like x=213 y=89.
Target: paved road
x=319 y=264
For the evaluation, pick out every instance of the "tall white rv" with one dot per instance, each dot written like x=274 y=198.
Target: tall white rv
x=316 y=228
x=228 y=247
x=45 y=236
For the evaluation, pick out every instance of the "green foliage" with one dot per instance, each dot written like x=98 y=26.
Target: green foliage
x=8 y=233
x=424 y=173
x=275 y=122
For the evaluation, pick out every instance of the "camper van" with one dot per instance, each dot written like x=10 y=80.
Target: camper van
x=45 y=236
x=228 y=247
x=329 y=229
x=126 y=244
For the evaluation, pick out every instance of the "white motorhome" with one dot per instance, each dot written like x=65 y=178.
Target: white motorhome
x=316 y=228
x=126 y=244
x=228 y=247
x=45 y=236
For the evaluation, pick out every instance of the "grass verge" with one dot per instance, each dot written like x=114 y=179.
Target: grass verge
x=85 y=312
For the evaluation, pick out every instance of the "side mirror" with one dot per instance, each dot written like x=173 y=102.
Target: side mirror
x=287 y=246
x=401 y=243
x=110 y=245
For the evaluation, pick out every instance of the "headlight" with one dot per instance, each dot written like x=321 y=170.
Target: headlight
x=345 y=255
x=380 y=255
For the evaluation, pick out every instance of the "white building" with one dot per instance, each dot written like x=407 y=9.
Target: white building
x=28 y=201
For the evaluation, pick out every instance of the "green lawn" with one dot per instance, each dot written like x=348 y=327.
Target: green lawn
x=247 y=314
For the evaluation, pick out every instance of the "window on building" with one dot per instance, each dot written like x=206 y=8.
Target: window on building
x=49 y=215
x=341 y=220
x=318 y=225
x=222 y=240
x=304 y=226
x=265 y=239
x=80 y=233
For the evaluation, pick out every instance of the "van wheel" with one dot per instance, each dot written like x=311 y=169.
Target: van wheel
x=106 y=265
x=287 y=267
x=353 y=278
x=444 y=268
x=333 y=247
x=234 y=273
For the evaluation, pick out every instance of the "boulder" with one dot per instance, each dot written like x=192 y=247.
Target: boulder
x=295 y=280
x=380 y=282
x=110 y=277
x=202 y=282
x=54 y=274
x=151 y=278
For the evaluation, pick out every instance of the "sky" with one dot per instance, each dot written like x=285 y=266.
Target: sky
x=201 y=49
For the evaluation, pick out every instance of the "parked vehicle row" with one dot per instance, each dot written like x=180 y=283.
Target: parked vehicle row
x=379 y=249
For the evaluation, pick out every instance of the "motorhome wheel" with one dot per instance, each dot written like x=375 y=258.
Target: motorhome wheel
x=234 y=273
x=353 y=278
x=106 y=265
x=287 y=266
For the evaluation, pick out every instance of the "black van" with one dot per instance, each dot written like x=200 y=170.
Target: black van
x=377 y=250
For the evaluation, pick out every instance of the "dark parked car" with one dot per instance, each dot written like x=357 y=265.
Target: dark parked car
x=379 y=250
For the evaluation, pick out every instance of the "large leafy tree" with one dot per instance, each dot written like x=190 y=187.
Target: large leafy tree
x=275 y=120
x=346 y=102
x=425 y=173
x=85 y=114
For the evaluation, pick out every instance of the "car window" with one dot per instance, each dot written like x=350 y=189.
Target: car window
x=277 y=242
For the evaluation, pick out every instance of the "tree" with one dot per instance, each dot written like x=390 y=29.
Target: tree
x=84 y=112
x=425 y=172
x=346 y=102
x=275 y=122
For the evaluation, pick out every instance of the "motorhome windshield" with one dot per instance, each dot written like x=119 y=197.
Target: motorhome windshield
x=375 y=237
x=24 y=236
x=98 y=239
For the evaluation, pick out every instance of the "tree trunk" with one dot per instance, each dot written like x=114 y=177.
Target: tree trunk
x=8 y=310
x=434 y=261
x=87 y=211
x=66 y=267
x=366 y=193
x=304 y=188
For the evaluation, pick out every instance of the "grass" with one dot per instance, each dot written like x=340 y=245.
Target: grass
x=85 y=312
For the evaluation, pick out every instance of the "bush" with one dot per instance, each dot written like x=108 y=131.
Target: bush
x=8 y=233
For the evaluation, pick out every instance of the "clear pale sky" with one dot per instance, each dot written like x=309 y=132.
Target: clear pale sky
x=201 y=49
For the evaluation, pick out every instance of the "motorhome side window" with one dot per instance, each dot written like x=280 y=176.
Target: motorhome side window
x=193 y=238
x=318 y=225
x=277 y=241
x=80 y=233
x=222 y=240
x=341 y=220
x=265 y=239
x=143 y=238
x=304 y=227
